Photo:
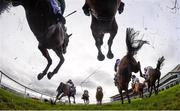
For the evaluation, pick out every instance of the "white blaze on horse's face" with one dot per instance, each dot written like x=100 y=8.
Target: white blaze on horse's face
x=99 y=89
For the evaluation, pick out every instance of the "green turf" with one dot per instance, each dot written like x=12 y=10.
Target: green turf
x=168 y=99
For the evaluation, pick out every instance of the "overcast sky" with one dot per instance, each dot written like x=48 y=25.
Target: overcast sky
x=21 y=59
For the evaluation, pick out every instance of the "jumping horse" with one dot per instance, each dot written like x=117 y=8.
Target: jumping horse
x=154 y=76
x=139 y=89
x=128 y=63
x=49 y=33
x=103 y=21
x=65 y=90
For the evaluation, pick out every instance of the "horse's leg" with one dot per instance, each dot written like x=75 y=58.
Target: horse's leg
x=69 y=99
x=61 y=96
x=74 y=100
x=158 y=85
x=120 y=91
x=88 y=101
x=150 y=91
x=99 y=41
x=60 y=55
x=142 y=93
x=139 y=65
x=127 y=95
x=155 y=89
x=46 y=55
x=111 y=38
x=57 y=98
x=148 y=84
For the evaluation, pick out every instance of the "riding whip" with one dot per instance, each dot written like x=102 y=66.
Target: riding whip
x=71 y=13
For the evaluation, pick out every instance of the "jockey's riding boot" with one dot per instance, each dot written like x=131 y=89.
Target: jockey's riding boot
x=60 y=18
x=86 y=10
x=121 y=8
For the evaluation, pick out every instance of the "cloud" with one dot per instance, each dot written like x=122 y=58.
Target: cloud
x=151 y=18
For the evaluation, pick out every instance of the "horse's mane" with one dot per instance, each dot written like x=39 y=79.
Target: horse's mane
x=133 y=45
x=59 y=86
x=4 y=5
x=160 y=62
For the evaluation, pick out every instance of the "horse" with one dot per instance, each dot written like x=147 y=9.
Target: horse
x=4 y=5
x=138 y=89
x=49 y=33
x=65 y=90
x=128 y=63
x=154 y=75
x=99 y=95
x=85 y=97
x=103 y=21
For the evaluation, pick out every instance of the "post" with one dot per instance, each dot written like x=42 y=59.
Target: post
x=41 y=97
x=1 y=78
x=25 y=93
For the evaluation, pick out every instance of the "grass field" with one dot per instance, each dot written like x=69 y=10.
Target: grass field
x=168 y=99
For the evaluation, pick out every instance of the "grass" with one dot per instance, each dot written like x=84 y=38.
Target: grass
x=165 y=100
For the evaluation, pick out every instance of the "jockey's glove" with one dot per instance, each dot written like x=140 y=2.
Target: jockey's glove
x=121 y=8
x=86 y=11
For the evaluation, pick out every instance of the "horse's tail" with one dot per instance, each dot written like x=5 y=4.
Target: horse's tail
x=133 y=45
x=4 y=5
x=160 y=63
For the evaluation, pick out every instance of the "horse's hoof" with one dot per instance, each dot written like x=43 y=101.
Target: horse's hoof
x=101 y=57
x=40 y=76
x=50 y=75
x=110 y=55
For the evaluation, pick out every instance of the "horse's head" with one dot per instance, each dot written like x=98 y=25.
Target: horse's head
x=86 y=92
x=65 y=44
x=99 y=89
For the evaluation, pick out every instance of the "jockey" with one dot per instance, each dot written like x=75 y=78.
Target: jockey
x=86 y=8
x=134 y=81
x=86 y=92
x=116 y=69
x=146 y=73
x=116 y=65
x=58 y=11
x=70 y=83
x=121 y=7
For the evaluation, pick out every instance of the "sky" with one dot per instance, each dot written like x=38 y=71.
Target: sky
x=21 y=59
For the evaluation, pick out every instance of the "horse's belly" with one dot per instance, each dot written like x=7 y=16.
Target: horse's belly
x=102 y=27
